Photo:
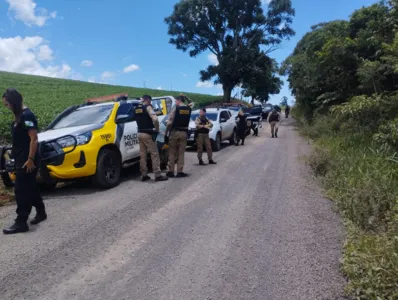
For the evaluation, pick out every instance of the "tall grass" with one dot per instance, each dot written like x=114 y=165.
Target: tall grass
x=360 y=173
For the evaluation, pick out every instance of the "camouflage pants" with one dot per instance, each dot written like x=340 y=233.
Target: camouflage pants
x=274 y=127
x=204 y=140
x=147 y=145
x=177 y=145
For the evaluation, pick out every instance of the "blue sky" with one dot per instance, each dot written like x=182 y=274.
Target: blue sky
x=123 y=42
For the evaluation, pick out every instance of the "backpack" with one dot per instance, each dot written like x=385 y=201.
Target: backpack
x=274 y=116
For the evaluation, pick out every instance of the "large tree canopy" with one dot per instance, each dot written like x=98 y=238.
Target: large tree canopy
x=262 y=80
x=233 y=30
x=338 y=60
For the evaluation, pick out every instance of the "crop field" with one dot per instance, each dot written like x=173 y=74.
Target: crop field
x=47 y=97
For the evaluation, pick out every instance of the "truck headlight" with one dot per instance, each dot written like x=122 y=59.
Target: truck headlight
x=82 y=139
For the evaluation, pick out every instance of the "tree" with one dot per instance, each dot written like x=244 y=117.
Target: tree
x=339 y=60
x=262 y=80
x=233 y=31
x=284 y=101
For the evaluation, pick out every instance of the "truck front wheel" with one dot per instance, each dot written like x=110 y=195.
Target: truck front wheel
x=109 y=168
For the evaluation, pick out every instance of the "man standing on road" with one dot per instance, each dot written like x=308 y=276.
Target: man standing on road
x=274 y=118
x=177 y=134
x=203 y=126
x=148 y=128
x=287 y=111
x=241 y=122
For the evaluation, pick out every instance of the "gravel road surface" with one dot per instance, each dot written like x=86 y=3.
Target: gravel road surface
x=254 y=226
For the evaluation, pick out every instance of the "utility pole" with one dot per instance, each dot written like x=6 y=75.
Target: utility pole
x=144 y=84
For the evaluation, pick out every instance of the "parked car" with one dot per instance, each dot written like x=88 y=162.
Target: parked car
x=266 y=109
x=224 y=127
x=92 y=140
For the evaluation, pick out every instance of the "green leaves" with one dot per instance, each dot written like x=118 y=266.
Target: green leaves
x=236 y=31
x=339 y=60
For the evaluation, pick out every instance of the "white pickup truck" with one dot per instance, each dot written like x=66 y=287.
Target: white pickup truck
x=224 y=127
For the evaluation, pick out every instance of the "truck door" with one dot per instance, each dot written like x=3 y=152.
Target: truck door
x=128 y=143
x=225 y=127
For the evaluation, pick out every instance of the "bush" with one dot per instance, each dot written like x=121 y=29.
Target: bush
x=359 y=170
x=320 y=161
x=371 y=263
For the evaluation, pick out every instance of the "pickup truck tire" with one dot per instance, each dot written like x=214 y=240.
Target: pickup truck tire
x=164 y=159
x=233 y=139
x=216 y=145
x=7 y=182
x=5 y=177
x=109 y=168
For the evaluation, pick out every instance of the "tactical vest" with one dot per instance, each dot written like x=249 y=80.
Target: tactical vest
x=203 y=121
x=144 y=121
x=274 y=117
x=182 y=118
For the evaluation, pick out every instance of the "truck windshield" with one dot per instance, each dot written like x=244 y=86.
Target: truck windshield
x=210 y=116
x=87 y=115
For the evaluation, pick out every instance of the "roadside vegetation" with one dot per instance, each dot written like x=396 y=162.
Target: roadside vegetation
x=344 y=75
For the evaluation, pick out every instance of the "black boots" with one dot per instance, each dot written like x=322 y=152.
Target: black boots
x=21 y=225
x=40 y=217
x=211 y=162
x=161 y=178
x=17 y=227
x=157 y=178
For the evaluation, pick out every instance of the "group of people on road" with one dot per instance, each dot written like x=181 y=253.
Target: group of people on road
x=24 y=129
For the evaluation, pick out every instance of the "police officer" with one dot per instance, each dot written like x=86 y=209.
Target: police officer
x=26 y=155
x=148 y=128
x=287 y=111
x=241 y=121
x=177 y=135
x=274 y=118
x=203 y=126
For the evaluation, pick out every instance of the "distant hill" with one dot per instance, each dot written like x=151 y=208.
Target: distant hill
x=47 y=97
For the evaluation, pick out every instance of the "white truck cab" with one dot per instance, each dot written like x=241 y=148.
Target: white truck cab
x=224 y=127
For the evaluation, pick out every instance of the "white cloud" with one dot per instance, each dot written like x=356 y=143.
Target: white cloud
x=207 y=84
x=86 y=63
x=131 y=68
x=107 y=75
x=159 y=88
x=26 y=55
x=45 y=53
x=213 y=59
x=91 y=79
x=26 y=11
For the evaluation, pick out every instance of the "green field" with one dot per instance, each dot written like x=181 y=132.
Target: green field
x=47 y=97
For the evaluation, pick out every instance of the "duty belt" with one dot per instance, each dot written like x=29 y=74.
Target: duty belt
x=180 y=129
x=149 y=131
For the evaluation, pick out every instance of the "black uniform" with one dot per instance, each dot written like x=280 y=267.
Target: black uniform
x=242 y=126
x=27 y=193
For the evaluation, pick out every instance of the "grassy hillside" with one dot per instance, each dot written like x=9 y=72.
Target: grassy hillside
x=47 y=97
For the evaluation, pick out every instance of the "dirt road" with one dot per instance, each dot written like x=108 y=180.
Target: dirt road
x=254 y=226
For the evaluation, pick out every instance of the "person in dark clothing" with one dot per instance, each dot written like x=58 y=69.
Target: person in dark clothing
x=287 y=111
x=242 y=126
x=26 y=155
